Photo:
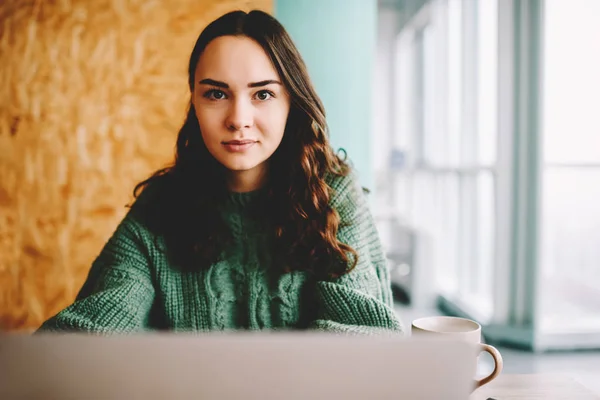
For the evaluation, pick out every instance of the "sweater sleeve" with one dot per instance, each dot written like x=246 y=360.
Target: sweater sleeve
x=118 y=293
x=359 y=302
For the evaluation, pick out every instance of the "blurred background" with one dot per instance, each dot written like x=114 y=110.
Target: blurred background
x=486 y=163
x=474 y=123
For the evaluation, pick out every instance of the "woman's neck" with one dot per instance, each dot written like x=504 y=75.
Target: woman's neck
x=248 y=180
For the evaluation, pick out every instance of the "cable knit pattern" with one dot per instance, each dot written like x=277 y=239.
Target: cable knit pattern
x=131 y=287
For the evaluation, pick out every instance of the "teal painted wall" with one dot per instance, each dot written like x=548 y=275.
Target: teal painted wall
x=337 y=41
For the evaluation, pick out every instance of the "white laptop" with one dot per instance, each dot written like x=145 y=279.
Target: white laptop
x=233 y=366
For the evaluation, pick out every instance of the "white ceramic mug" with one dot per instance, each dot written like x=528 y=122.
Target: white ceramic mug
x=462 y=329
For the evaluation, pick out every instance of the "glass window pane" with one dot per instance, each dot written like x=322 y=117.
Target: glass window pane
x=406 y=75
x=487 y=59
x=401 y=196
x=571 y=81
x=486 y=226
x=454 y=81
x=432 y=138
x=476 y=241
x=467 y=236
x=570 y=254
x=447 y=260
x=422 y=200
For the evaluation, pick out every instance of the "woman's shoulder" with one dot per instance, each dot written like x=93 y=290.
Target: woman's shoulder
x=152 y=198
x=346 y=190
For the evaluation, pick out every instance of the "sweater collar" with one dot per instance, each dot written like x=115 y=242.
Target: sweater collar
x=245 y=199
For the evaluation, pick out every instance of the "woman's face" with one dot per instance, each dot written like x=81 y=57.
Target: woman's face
x=241 y=106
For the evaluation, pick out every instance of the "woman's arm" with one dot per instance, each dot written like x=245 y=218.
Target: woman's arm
x=118 y=294
x=361 y=301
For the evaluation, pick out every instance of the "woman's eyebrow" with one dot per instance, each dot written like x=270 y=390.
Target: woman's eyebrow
x=212 y=82
x=263 y=83
x=223 y=85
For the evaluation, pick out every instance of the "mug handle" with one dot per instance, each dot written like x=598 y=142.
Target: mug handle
x=498 y=364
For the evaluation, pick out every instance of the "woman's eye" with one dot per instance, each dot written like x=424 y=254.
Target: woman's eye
x=264 y=95
x=215 y=94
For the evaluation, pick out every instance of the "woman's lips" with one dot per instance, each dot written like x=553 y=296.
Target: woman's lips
x=237 y=146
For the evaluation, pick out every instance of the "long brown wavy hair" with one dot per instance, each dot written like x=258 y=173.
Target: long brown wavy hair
x=184 y=196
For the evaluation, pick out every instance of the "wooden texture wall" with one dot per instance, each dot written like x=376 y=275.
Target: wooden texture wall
x=92 y=94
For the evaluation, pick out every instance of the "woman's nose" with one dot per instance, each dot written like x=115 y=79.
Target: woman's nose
x=240 y=116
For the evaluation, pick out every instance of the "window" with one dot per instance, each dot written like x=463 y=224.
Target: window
x=446 y=97
x=495 y=120
x=570 y=232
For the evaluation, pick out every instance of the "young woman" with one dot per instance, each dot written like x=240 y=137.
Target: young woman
x=258 y=224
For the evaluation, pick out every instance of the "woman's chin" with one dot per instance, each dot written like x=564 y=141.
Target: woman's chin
x=241 y=165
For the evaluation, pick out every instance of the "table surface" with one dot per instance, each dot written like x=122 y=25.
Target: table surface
x=534 y=386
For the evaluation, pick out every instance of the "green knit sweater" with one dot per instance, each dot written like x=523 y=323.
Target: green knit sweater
x=131 y=287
